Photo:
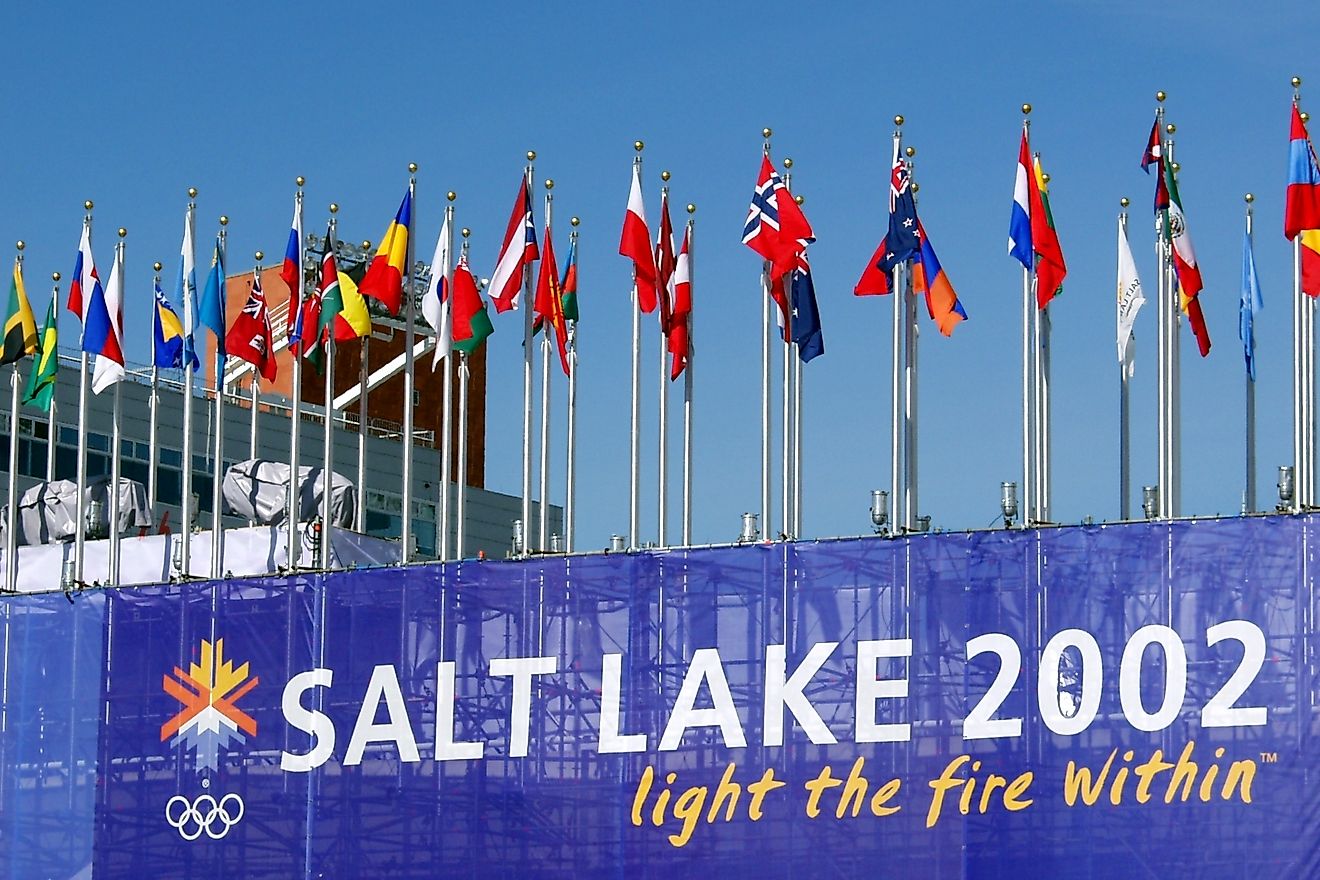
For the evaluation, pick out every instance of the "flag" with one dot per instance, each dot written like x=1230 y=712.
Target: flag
x=929 y=278
x=775 y=227
x=874 y=280
x=353 y=320
x=84 y=280
x=167 y=334
x=516 y=254
x=806 y=316
x=549 y=303
x=903 y=240
x=211 y=310
x=1184 y=261
x=20 y=339
x=635 y=244
x=435 y=302
x=307 y=341
x=680 y=320
x=1130 y=301
x=384 y=279
x=568 y=287
x=41 y=382
x=1020 y=219
x=1302 y=208
x=103 y=329
x=471 y=323
x=291 y=271
x=332 y=296
x=664 y=264
x=250 y=338
x=1050 y=267
x=1154 y=155
x=185 y=291
x=1310 y=254
x=1249 y=307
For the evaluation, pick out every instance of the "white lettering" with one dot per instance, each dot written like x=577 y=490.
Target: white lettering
x=871 y=689
x=521 y=670
x=310 y=721
x=781 y=693
x=384 y=682
x=705 y=667
x=611 y=741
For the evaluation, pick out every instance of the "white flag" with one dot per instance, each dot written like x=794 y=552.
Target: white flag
x=435 y=302
x=1130 y=301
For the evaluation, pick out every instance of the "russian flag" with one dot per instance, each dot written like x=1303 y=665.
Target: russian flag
x=84 y=280
x=1302 y=209
x=103 y=329
x=291 y=271
x=1019 y=223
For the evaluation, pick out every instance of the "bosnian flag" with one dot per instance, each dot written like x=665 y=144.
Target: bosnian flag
x=635 y=244
x=516 y=254
x=291 y=271
x=435 y=302
x=85 y=280
x=1019 y=223
x=103 y=328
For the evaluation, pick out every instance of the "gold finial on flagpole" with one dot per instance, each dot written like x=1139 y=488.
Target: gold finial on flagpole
x=1296 y=82
x=300 y=180
x=549 y=183
x=799 y=199
x=1026 y=109
x=1176 y=167
x=451 y=195
x=531 y=155
x=334 y=207
x=224 y=219
x=412 y=167
x=55 y=276
x=466 y=232
x=664 y=175
x=366 y=244
x=21 y=244
x=157 y=266
x=1124 y=201
x=260 y=256
x=1306 y=117
x=638 y=146
x=192 y=193
x=1160 y=96
x=898 y=120
x=910 y=152
x=1170 y=128
x=788 y=164
x=574 y=221
x=1045 y=176
x=87 y=205
x=122 y=232
x=766 y=133
x=691 y=208
x=916 y=187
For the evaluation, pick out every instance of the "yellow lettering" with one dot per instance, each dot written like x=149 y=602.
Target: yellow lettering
x=1015 y=790
x=687 y=809
x=1239 y=772
x=727 y=789
x=639 y=798
x=817 y=787
x=758 y=790
x=1077 y=780
x=944 y=783
x=854 y=790
x=883 y=795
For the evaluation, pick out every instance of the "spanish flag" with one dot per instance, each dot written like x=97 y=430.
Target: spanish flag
x=384 y=278
x=20 y=324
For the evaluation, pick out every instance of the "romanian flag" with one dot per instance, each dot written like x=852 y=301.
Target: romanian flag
x=384 y=278
x=20 y=338
x=41 y=383
x=928 y=277
x=168 y=334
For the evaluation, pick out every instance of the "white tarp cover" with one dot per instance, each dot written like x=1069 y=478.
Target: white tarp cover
x=47 y=512
x=258 y=490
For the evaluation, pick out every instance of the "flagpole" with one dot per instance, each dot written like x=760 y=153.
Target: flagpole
x=570 y=472
x=1041 y=352
x=364 y=367
x=1163 y=315
x=796 y=475
x=294 y=513
x=1304 y=481
x=786 y=398
x=190 y=329
x=766 y=284
x=11 y=512
x=446 y=335
x=687 y=388
x=1249 y=484
x=116 y=432
x=409 y=379
x=911 y=350
x=662 y=484
x=460 y=498
x=543 y=489
x=1124 y=399
x=1174 y=504
x=218 y=450
x=80 y=504
x=153 y=405
x=256 y=376
x=52 y=423
x=1029 y=496
x=328 y=442
x=528 y=380
x=635 y=438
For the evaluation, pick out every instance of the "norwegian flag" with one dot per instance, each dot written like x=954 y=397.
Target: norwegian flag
x=776 y=226
x=249 y=336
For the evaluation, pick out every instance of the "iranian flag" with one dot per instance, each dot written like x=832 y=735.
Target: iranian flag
x=1184 y=261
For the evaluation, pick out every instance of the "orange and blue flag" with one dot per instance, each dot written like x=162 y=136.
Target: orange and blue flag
x=929 y=278
x=384 y=279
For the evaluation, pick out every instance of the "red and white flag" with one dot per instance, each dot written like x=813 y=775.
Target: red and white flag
x=635 y=244
x=664 y=264
x=516 y=254
x=680 y=331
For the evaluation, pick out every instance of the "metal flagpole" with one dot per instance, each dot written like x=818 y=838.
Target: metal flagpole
x=153 y=405
x=188 y=290
x=218 y=450
x=570 y=472
x=409 y=377
x=116 y=428
x=786 y=399
x=460 y=499
x=662 y=421
x=1165 y=357
x=766 y=284
x=635 y=438
x=910 y=345
x=80 y=505
x=11 y=512
x=543 y=489
x=52 y=424
x=328 y=443
x=446 y=335
x=1174 y=503
x=256 y=376
x=896 y=283
x=294 y=513
x=1249 y=485
x=528 y=379
x=1124 y=398
x=687 y=388
x=1304 y=354
x=364 y=372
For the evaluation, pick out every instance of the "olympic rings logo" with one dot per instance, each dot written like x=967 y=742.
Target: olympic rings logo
x=205 y=815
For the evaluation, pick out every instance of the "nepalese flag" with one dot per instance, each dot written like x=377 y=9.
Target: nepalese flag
x=776 y=227
x=1302 y=207
x=1184 y=262
x=903 y=240
x=1050 y=266
x=664 y=264
x=167 y=334
x=250 y=338
x=1154 y=155
x=1020 y=220
x=549 y=302
x=517 y=253
x=103 y=328
x=635 y=244
x=679 y=341
x=291 y=271
x=942 y=302
x=806 y=315
x=471 y=323
x=84 y=280
x=384 y=279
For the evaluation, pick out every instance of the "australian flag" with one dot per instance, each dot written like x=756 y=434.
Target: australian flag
x=903 y=241
x=806 y=316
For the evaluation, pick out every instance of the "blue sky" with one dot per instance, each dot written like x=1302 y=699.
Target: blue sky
x=130 y=108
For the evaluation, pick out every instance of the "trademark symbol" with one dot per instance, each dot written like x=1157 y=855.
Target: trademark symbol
x=1269 y=757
